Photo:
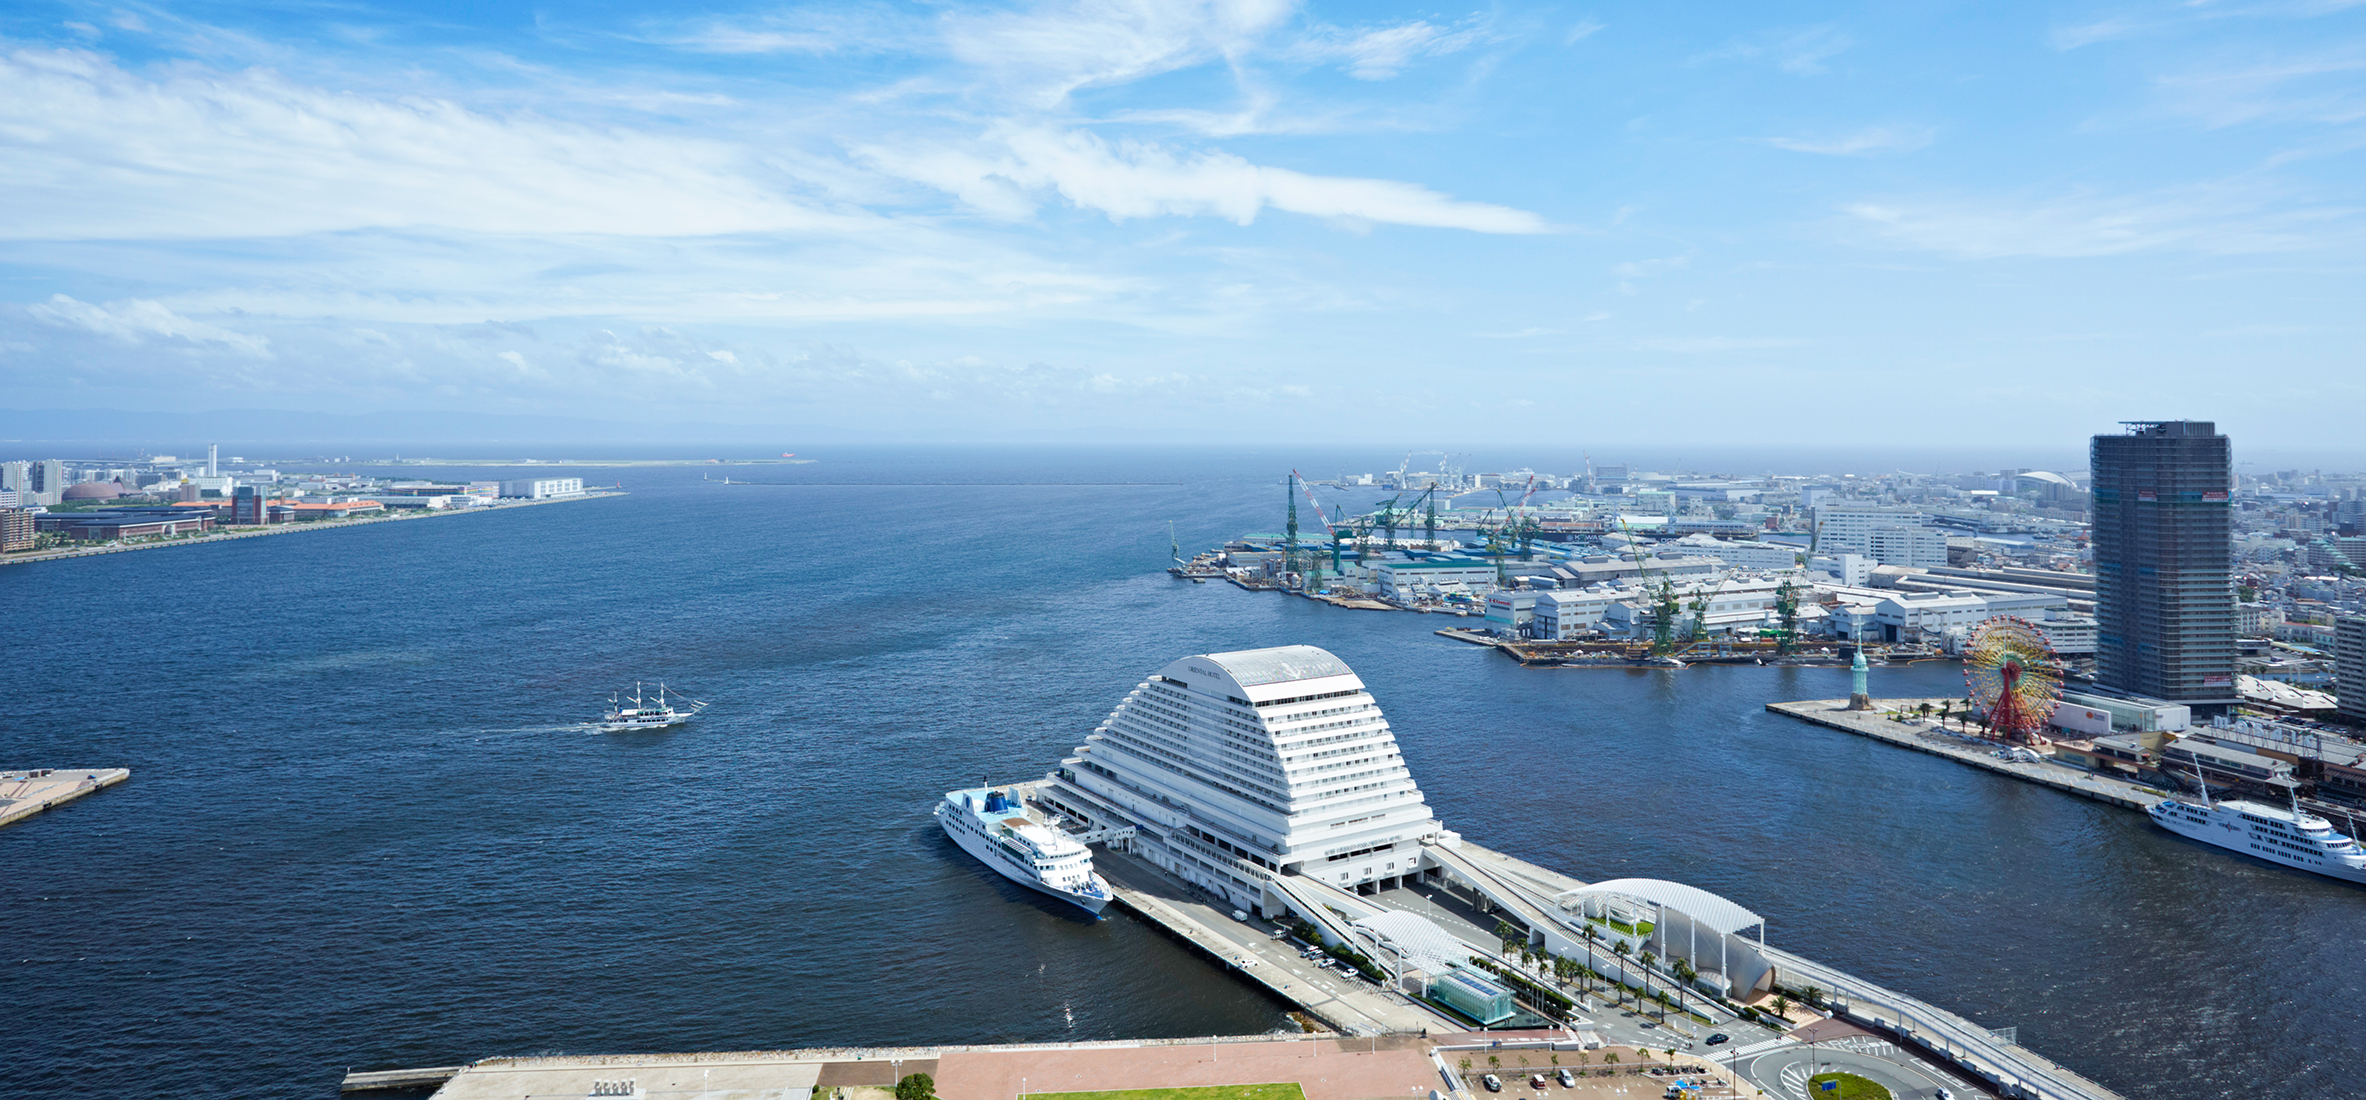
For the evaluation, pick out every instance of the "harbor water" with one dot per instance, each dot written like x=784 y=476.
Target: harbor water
x=366 y=828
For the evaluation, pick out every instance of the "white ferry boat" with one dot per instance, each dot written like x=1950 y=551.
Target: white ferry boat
x=1008 y=837
x=648 y=714
x=2286 y=836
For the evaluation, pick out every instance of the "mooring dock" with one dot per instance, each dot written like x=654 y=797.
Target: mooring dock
x=26 y=792
x=1921 y=736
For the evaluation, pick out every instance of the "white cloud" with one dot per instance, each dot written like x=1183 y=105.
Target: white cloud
x=1381 y=53
x=2189 y=14
x=1697 y=345
x=91 y=151
x=1048 y=50
x=2319 y=86
x=1141 y=180
x=1798 y=52
x=807 y=30
x=2087 y=34
x=1638 y=269
x=1872 y=139
x=2215 y=218
x=138 y=321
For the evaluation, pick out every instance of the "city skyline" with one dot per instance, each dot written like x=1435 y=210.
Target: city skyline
x=1195 y=222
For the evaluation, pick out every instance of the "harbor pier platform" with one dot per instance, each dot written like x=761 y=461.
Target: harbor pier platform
x=1930 y=736
x=1473 y=884
x=29 y=791
x=1323 y=1067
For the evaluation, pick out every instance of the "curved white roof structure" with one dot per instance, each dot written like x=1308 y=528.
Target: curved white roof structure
x=1706 y=909
x=1421 y=942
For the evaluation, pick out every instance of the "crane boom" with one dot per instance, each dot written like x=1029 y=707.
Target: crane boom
x=1318 y=505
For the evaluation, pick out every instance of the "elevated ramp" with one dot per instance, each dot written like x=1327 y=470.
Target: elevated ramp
x=1501 y=889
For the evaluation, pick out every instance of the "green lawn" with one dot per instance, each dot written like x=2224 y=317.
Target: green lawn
x=1282 y=1091
x=1852 y=1087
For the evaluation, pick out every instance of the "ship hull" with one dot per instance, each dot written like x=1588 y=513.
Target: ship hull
x=2217 y=833
x=983 y=850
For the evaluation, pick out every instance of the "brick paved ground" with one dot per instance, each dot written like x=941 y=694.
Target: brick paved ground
x=1327 y=1069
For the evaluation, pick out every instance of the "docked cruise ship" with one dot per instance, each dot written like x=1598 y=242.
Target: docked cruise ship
x=2289 y=837
x=1232 y=768
x=1008 y=837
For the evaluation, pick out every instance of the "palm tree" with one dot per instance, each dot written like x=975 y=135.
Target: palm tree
x=1509 y=935
x=1782 y=1006
x=1591 y=933
x=1465 y=1064
x=1925 y=709
x=1946 y=709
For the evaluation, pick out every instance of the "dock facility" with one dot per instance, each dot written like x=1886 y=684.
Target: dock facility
x=1255 y=806
x=26 y=792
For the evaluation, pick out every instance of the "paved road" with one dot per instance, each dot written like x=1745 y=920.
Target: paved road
x=1785 y=1070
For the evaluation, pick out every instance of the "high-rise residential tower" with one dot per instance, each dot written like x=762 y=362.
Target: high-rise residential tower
x=2164 y=562
x=2349 y=669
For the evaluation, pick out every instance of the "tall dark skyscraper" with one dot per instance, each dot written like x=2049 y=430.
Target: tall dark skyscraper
x=2164 y=562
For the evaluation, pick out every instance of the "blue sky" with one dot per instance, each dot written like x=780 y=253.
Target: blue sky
x=1199 y=221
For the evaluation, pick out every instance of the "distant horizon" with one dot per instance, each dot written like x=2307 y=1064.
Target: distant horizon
x=557 y=440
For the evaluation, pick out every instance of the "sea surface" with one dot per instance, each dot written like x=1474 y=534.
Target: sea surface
x=365 y=828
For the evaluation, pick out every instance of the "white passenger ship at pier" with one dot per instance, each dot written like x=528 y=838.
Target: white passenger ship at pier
x=1008 y=837
x=2289 y=837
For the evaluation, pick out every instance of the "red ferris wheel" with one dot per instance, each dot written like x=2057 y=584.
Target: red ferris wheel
x=2013 y=677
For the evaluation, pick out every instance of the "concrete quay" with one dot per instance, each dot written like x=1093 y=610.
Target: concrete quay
x=1324 y=1067
x=1925 y=736
x=26 y=792
x=1933 y=1044
x=1346 y=1005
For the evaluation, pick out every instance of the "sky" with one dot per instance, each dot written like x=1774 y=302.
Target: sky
x=1224 y=221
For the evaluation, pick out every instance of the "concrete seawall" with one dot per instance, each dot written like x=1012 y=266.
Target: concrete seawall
x=1833 y=714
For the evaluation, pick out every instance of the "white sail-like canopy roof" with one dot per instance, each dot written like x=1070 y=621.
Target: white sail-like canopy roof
x=1706 y=909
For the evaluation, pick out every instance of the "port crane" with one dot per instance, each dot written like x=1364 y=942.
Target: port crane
x=1663 y=604
x=1330 y=533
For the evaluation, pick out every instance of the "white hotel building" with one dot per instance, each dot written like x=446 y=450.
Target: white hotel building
x=1233 y=766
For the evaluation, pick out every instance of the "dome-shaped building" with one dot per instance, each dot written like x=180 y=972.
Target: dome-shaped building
x=93 y=490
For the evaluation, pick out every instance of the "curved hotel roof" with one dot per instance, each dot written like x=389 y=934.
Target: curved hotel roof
x=1239 y=764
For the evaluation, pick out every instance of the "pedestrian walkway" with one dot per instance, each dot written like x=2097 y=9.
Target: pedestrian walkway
x=1777 y=1043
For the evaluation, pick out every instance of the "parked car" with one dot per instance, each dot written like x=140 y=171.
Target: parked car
x=1720 y=1037
x=1536 y=1081
x=1493 y=1083
x=1568 y=1080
